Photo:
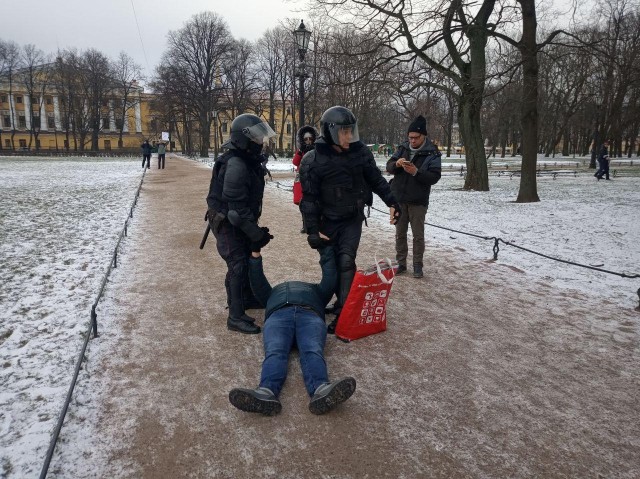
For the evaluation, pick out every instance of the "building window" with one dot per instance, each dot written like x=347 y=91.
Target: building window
x=3 y=98
x=34 y=100
x=51 y=122
x=107 y=145
x=224 y=127
x=288 y=110
x=105 y=123
x=6 y=119
x=119 y=123
x=36 y=122
x=48 y=100
x=7 y=143
x=18 y=99
x=288 y=128
x=23 y=143
x=22 y=121
x=105 y=102
x=66 y=144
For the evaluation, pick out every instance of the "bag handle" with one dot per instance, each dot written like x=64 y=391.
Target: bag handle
x=380 y=275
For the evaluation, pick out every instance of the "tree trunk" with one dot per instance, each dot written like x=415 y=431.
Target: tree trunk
x=205 y=131
x=528 y=49
x=471 y=133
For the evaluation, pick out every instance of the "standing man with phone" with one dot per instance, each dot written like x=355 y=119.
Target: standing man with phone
x=416 y=166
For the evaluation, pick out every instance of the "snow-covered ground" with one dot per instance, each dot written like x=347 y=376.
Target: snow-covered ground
x=59 y=223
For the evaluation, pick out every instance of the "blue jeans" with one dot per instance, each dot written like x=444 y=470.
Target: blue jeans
x=284 y=328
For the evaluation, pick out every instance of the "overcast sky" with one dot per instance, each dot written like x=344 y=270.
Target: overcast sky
x=110 y=26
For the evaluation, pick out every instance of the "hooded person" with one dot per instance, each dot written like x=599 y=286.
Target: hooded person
x=415 y=167
x=235 y=205
x=306 y=138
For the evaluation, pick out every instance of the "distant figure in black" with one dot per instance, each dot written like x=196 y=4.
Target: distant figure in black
x=146 y=153
x=603 y=161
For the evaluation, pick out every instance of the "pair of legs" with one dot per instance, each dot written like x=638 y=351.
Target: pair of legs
x=160 y=160
x=286 y=327
x=146 y=159
x=345 y=239
x=234 y=248
x=603 y=170
x=413 y=215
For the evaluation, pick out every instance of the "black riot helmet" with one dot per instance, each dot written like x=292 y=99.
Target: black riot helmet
x=249 y=132
x=335 y=119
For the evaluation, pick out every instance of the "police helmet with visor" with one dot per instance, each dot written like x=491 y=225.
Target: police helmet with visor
x=249 y=132
x=337 y=120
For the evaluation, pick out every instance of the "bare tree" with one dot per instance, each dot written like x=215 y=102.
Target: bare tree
x=198 y=50
x=126 y=75
x=9 y=63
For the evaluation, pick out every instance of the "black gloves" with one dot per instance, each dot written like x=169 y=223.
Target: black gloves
x=316 y=242
x=397 y=213
x=256 y=246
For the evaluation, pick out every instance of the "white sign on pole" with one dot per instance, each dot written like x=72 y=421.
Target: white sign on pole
x=165 y=136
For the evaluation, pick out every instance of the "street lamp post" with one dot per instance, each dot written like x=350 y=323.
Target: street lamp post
x=302 y=36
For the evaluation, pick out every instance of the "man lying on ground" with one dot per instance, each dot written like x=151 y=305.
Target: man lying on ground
x=294 y=314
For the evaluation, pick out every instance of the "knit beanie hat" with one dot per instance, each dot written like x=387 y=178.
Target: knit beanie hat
x=419 y=125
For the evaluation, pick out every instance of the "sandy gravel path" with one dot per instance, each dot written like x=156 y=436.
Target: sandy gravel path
x=482 y=373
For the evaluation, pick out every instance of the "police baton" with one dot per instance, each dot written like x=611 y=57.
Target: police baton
x=205 y=236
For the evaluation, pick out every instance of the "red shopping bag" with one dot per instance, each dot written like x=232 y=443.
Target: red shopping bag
x=297 y=190
x=365 y=309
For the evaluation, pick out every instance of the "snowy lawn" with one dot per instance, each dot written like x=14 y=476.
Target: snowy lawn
x=59 y=223
x=579 y=219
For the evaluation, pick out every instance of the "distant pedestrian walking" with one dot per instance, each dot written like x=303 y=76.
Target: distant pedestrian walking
x=603 y=161
x=146 y=154
x=162 y=149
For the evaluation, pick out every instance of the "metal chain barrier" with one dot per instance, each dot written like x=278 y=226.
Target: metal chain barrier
x=93 y=326
x=496 y=248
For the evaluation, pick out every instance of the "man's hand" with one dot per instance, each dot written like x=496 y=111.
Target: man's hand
x=410 y=168
x=256 y=246
x=394 y=212
x=318 y=240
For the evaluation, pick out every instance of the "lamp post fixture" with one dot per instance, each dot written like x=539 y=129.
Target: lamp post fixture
x=302 y=36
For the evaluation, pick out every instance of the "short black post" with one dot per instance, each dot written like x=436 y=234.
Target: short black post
x=496 y=248
x=94 y=321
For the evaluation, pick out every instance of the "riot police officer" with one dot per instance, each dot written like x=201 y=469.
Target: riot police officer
x=338 y=179
x=235 y=205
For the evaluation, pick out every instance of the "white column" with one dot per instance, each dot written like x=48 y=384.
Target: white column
x=112 y=117
x=44 y=126
x=125 y=127
x=56 y=113
x=27 y=113
x=12 y=112
x=138 y=118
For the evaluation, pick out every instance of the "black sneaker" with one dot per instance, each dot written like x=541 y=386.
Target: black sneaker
x=329 y=395
x=417 y=271
x=242 y=326
x=260 y=400
x=401 y=269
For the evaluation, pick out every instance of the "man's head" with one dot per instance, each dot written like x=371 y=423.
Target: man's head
x=249 y=132
x=339 y=127
x=607 y=142
x=417 y=132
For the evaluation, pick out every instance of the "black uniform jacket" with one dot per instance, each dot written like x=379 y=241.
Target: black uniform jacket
x=337 y=186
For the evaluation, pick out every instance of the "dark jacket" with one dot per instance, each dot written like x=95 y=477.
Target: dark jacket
x=603 y=154
x=236 y=191
x=146 y=148
x=337 y=186
x=415 y=189
x=295 y=293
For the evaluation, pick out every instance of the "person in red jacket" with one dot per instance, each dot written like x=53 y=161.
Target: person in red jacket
x=306 y=138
